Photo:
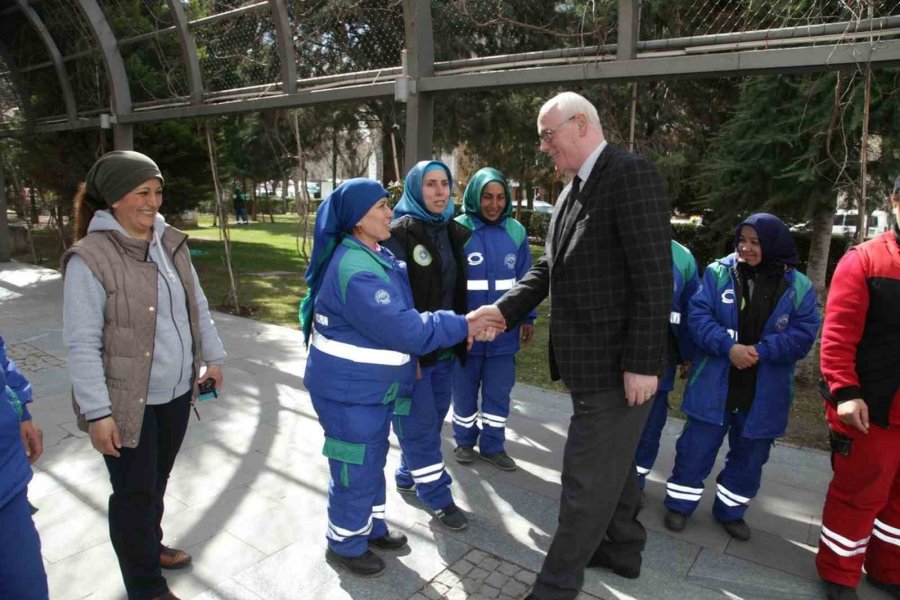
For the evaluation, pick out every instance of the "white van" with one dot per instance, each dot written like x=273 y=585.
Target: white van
x=845 y=223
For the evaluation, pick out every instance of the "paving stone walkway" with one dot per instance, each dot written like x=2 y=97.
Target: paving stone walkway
x=247 y=496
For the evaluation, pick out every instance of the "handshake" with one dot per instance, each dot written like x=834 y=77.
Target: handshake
x=485 y=323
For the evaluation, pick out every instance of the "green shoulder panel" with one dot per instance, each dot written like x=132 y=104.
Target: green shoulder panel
x=684 y=260
x=359 y=260
x=466 y=221
x=801 y=286
x=721 y=273
x=515 y=230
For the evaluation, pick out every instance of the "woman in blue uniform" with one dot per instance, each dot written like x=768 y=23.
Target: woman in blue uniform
x=497 y=255
x=680 y=349
x=364 y=336
x=753 y=318
x=425 y=235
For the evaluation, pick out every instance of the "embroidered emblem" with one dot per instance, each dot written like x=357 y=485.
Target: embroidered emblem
x=510 y=261
x=382 y=297
x=476 y=258
x=728 y=297
x=782 y=323
x=421 y=255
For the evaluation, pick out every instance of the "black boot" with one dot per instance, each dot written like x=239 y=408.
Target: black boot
x=392 y=540
x=367 y=565
x=836 y=591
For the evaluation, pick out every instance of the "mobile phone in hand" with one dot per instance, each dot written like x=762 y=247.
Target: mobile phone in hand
x=208 y=390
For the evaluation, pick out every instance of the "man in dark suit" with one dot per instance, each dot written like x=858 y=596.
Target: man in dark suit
x=608 y=268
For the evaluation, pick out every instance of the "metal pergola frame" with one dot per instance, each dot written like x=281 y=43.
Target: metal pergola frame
x=419 y=78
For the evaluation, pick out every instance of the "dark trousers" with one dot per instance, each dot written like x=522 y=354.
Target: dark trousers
x=600 y=494
x=139 y=477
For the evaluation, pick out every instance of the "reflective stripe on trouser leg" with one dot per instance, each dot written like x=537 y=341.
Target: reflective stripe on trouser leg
x=422 y=461
x=356 y=494
x=695 y=455
x=497 y=379
x=466 y=383
x=648 y=447
x=739 y=481
x=883 y=557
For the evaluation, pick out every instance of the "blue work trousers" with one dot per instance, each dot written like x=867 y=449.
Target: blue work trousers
x=494 y=377
x=695 y=456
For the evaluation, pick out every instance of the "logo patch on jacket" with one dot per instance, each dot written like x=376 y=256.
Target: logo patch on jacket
x=382 y=297
x=782 y=323
x=510 y=261
x=476 y=258
x=421 y=255
x=728 y=297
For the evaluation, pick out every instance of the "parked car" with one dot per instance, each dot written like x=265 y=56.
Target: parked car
x=845 y=223
x=542 y=207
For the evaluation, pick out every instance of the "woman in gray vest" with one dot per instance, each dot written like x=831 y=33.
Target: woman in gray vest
x=138 y=332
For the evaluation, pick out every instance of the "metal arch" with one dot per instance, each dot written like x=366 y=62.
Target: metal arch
x=55 y=57
x=285 y=45
x=188 y=51
x=115 y=71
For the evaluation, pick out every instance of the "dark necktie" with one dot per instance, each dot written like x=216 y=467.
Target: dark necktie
x=566 y=208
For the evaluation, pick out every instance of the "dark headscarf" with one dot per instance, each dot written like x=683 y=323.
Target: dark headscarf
x=336 y=217
x=116 y=173
x=472 y=195
x=412 y=201
x=775 y=239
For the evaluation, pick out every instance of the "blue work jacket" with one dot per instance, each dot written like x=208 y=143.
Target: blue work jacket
x=787 y=337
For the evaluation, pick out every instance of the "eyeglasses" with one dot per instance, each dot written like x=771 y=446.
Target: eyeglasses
x=547 y=136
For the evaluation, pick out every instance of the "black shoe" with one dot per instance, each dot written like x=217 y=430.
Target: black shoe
x=501 y=460
x=632 y=571
x=367 y=565
x=465 y=454
x=407 y=489
x=893 y=589
x=452 y=517
x=737 y=529
x=392 y=540
x=675 y=521
x=836 y=591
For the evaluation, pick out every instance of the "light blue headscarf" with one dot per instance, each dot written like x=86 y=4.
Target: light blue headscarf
x=336 y=216
x=412 y=201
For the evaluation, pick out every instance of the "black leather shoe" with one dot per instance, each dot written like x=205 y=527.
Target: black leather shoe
x=893 y=589
x=632 y=571
x=738 y=529
x=392 y=540
x=836 y=591
x=675 y=521
x=367 y=565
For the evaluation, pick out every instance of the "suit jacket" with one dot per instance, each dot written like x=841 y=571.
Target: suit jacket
x=609 y=276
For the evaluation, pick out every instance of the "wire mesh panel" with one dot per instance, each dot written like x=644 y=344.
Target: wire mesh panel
x=66 y=24
x=197 y=9
x=156 y=69
x=333 y=37
x=128 y=18
x=238 y=51
x=89 y=85
x=42 y=86
x=22 y=41
x=480 y=28
x=684 y=18
x=10 y=110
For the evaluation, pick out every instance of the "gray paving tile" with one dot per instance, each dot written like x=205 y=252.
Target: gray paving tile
x=778 y=553
x=744 y=579
x=215 y=560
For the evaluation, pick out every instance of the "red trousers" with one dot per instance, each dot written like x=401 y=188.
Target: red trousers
x=861 y=518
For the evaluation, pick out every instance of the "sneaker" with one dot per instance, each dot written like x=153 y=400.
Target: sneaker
x=501 y=460
x=893 y=589
x=367 y=565
x=836 y=591
x=738 y=529
x=465 y=454
x=407 y=489
x=392 y=540
x=451 y=517
x=675 y=521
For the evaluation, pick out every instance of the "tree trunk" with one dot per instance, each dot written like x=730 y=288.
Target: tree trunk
x=816 y=270
x=223 y=216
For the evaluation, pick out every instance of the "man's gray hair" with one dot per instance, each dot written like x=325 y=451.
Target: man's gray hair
x=570 y=104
